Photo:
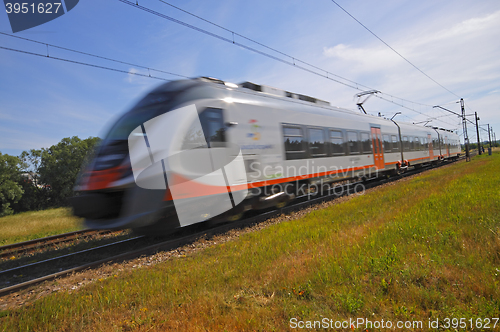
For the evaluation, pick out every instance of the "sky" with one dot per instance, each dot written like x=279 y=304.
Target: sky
x=456 y=43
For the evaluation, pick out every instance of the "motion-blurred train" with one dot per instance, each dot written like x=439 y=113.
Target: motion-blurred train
x=204 y=149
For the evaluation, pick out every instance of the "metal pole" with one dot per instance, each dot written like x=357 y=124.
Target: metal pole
x=477 y=132
x=466 y=137
x=489 y=136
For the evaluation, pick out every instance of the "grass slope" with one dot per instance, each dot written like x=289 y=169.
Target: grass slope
x=422 y=249
x=32 y=225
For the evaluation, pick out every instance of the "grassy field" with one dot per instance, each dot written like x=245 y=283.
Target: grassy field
x=419 y=250
x=32 y=225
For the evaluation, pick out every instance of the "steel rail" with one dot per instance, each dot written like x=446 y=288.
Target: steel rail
x=22 y=247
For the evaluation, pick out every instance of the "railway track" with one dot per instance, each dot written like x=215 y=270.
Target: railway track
x=26 y=247
x=13 y=279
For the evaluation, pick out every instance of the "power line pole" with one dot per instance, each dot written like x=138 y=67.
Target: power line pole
x=477 y=132
x=466 y=137
x=489 y=136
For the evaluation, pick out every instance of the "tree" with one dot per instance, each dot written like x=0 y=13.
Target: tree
x=30 y=162
x=60 y=165
x=10 y=190
x=35 y=196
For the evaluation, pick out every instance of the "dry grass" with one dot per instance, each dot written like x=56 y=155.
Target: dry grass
x=31 y=225
x=423 y=249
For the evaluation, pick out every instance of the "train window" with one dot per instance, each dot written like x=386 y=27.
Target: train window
x=406 y=144
x=337 y=140
x=395 y=143
x=352 y=141
x=387 y=143
x=416 y=143
x=292 y=131
x=366 y=143
x=213 y=127
x=317 y=146
x=435 y=143
x=293 y=139
x=411 y=143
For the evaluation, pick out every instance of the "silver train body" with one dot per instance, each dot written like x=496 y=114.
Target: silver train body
x=288 y=144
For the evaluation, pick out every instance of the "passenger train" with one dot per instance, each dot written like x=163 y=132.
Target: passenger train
x=160 y=166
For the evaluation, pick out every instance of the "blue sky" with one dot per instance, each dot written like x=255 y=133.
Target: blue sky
x=457 y=43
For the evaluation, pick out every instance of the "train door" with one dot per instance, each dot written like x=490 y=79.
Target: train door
x=378 y=152
x=431 y=148
x=447 y=144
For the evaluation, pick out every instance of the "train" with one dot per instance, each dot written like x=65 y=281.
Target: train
x=203 y=149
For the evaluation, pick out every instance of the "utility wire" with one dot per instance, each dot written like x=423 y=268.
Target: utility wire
x=292 y=58
x=93 y=55
x=356 y=86
x=284 y=54
x=293 y=62
x=411 y=109
x=395 y=50
x=81 y=63
x=118 y=70
x=260 y=44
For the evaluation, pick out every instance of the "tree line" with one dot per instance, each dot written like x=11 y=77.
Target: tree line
x=40 y=179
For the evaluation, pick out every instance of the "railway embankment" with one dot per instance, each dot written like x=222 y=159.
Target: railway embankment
x=422 y=251
x=32 y=225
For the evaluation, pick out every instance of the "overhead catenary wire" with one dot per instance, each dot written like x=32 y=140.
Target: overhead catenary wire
x=322 y=72
x=47 y=56
x=306 y=63
x=85 y=63
x=399 y=54
x=389 y=46
x=421 y=113
x=92 y=55
x=108 y=68
x=294 y=60
x=261 y=44
x=82 y=63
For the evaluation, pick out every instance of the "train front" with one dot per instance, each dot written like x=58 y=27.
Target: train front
x=164 y=164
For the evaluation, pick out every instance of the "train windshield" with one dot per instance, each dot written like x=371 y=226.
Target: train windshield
x=149 y=107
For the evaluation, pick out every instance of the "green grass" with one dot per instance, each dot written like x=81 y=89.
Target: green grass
x=32 y=225
x=422 y=249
